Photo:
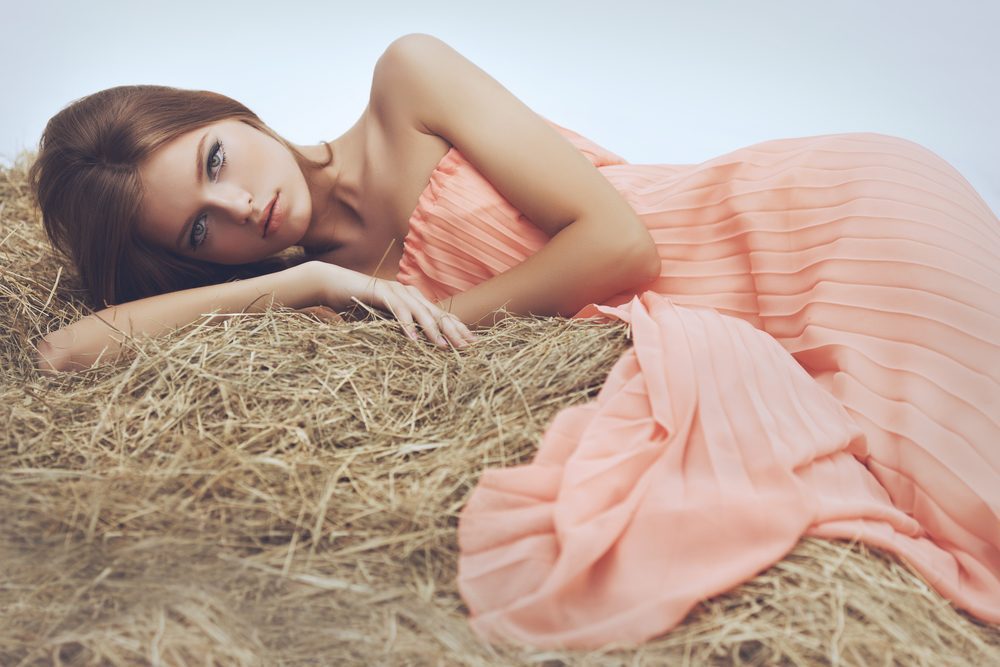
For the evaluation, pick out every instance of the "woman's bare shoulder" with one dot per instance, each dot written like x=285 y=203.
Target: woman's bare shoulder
x=391 y=103
x=426 y=85
x=400 y=153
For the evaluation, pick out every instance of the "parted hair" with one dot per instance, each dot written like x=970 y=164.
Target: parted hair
x=87 y=185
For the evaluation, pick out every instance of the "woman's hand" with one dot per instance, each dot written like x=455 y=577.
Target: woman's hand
x=341 y=287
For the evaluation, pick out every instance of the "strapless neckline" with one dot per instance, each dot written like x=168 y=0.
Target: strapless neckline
x=486 y=235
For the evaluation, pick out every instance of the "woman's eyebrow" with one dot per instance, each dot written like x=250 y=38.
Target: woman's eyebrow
x=198 y=161
x=199 y=176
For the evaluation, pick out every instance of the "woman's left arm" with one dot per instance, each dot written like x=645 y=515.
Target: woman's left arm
x=598 y=245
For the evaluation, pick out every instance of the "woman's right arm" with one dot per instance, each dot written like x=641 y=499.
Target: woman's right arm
x=80 y=344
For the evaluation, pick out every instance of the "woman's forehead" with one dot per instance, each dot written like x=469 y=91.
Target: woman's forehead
x=169 y=180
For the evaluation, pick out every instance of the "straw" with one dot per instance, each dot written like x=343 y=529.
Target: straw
x=281 y=491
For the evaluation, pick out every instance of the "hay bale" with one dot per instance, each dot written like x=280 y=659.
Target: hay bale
x=275 y=491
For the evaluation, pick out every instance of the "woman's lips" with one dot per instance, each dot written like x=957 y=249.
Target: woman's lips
x=274 y=216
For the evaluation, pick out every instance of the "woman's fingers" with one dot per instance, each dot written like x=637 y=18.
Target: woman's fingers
x=429 y=323
x=455 y=329
x=448 y=326
x=440 y=327
x=403 y=316
x=412 y=309
x=448 y=323
x=466 y=331
x=410 y=312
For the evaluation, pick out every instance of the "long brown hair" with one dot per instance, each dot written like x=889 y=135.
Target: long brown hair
x=86 y=181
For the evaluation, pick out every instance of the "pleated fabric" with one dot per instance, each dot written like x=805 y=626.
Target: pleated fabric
x=819 y=356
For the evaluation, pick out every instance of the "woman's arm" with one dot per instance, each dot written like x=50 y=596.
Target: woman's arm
x=599 y=245
x=573 y=269
x=80 y=344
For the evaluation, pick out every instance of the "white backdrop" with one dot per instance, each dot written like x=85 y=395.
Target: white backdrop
x=674 y=81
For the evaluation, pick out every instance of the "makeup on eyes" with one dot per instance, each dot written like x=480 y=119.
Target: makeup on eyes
x=216 y=150
x=213 y=165
x=199 y=231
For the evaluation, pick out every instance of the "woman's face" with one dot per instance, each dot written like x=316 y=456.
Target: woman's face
x=224 y=193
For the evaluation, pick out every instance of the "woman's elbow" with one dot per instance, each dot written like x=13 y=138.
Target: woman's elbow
x=643 y=259
x=51 y=358
x=650 y=264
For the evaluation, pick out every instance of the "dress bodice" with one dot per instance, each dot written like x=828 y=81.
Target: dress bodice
x=463 y=232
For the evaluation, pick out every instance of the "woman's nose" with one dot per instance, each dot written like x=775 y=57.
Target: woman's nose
x=236 y=202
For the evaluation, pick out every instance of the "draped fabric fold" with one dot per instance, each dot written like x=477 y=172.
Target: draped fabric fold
x=706 y=456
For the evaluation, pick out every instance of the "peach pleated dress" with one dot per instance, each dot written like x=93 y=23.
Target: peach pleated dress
x=820 y=356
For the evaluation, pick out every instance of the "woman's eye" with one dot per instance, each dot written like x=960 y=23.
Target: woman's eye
x=216 y=159
x=199 y=230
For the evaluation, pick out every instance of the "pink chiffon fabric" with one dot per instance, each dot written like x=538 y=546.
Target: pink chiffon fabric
x=819 y=356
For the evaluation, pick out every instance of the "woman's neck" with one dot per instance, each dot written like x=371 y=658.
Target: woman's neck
x=334 y=187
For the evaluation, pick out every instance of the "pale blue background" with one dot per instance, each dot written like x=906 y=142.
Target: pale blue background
x=673 y=82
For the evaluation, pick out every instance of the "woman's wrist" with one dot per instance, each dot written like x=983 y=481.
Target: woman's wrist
x=317 y=282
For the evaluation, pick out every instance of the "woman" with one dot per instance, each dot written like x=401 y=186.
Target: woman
x=351 y=212
x=815 y=322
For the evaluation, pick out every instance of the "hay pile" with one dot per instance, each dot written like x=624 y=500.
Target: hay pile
x=277 y=491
